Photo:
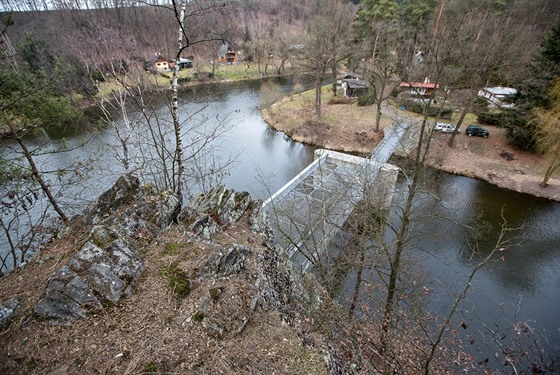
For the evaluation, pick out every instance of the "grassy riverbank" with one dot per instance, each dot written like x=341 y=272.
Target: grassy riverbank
x=146 y=83
x=200 y=74
x=349 y=128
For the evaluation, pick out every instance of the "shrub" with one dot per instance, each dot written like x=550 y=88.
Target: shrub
x=520 y=132
x=97 y=75
x=177 y=280
x=170 y=249
x=490 y=118
x=366 y=99
x=433 y=111
x=198 y=316
x=215 y=293
x=480 y=105
x=338 y=100
x=52 y=112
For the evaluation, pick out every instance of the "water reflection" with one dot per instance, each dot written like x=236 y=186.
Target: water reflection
x=259 y=150
x=523 y=282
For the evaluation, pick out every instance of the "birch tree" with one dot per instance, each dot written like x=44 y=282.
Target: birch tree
x=184 y=41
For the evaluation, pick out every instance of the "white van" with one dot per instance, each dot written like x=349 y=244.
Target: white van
x=444 y=127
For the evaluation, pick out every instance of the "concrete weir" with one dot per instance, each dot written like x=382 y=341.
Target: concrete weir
x=308 y=211
x=379 y=178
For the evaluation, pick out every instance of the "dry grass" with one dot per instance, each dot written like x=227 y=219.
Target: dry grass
x=153 y=331
x=343 y=127
x=349 y=128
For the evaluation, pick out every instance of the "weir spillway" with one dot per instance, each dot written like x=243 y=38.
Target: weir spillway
x=307 y=212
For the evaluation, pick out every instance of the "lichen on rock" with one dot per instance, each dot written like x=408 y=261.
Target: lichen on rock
x=98 y=274
x=208 y=213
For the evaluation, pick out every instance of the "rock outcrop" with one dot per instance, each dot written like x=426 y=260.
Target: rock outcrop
x=103 y=269
x=210 y=213
x=131 y=210
x=6 y=311
x=221 y=207
x=215 y=294
x=99 y=274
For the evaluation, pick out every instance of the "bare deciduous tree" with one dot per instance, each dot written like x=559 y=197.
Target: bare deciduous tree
x=326 y=46
x=548 y=134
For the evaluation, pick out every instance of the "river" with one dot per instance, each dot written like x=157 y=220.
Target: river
x=520 y=284
x=525 y=284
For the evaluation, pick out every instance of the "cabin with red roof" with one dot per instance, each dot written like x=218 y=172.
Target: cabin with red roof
x=418 y=89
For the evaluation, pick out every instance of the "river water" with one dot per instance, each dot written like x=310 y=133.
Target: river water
x=525 y=284
x=520 y=284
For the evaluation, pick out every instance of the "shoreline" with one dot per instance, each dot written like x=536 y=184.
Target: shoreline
x=86 y=105
x=516 y=176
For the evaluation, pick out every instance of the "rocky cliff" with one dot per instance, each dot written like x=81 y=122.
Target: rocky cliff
x=123 y=291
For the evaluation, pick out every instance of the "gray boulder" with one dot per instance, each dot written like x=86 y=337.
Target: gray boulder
x=220 y=208
x=103 y=269
x=99 y=274
x=227 y=206
x=124 y=191
x=67 y=297
x=229 y=262
x=6 y=311
x=137 y=212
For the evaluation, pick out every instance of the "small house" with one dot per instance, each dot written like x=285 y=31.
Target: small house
x=227 y=54
x=345 y=76
x=418 y=89
x=354 y=87
x=498 y=97
x=185 y=63
x=159 y=64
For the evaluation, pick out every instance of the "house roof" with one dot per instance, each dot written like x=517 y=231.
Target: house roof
x=356 y=83
x=348 y=75
x=157 y=58
x=499 y=90
x=420 y=85
x=224 y=49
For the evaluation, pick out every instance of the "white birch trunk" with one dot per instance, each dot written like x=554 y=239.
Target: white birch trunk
x=178 y=180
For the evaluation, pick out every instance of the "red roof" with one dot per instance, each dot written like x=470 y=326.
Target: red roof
x=420 y=84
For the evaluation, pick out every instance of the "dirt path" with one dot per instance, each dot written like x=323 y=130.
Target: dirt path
x=349 y=128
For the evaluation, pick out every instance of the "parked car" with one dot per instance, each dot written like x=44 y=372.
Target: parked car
x=476 y=130
x=444 y=127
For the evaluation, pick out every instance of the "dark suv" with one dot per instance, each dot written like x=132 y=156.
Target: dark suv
x=476 y=130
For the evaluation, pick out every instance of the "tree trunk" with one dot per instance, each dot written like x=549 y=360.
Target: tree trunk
x=554 y=164
x=375 y=43
x=213 y=66
x=178 y=180
x=40 y=179
x=356 y=293
x=452 y=137
x=318 y=99
x=378 y=116
x=395 y=261
x=334 y=79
